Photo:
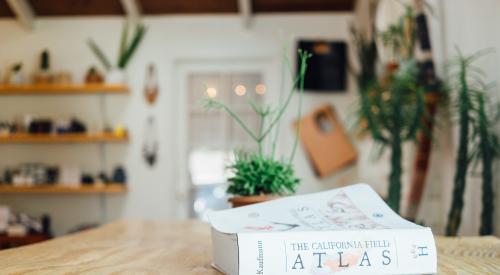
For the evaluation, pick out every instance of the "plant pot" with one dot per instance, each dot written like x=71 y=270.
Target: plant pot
x=247 y=200
x=115 y=76
x=15 y=78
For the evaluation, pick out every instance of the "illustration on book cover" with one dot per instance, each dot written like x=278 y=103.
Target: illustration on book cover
x=339 y=213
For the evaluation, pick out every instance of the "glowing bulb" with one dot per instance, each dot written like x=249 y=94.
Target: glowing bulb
x=240 y=90
x=211 y=92
x=260 y=89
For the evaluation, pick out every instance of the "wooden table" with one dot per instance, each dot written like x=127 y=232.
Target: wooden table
x=181 y=248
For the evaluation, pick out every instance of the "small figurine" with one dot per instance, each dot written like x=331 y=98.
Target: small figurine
x=93 y=76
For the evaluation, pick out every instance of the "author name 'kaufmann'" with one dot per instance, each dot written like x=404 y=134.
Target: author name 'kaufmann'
x=260 y=258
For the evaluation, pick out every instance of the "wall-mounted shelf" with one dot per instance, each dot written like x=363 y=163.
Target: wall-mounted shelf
x=114 y=188
x=63 y=138
x=60 y=89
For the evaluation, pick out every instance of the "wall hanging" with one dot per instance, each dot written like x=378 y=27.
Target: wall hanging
x=150 y=145
x=327 y=66
x=151 y=88
x=325 y=141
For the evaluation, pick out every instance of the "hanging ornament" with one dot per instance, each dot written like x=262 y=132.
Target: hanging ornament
x=151 y=85
x=150 y=146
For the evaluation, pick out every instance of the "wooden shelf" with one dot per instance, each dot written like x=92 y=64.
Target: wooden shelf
x=66 y=89
x=63 y=138
x=113 y=188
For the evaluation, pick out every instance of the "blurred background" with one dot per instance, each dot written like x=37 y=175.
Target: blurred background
x=138 y=143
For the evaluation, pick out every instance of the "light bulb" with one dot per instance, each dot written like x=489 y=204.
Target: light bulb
x=211 y=92
x=260 y=89
x=240 y=90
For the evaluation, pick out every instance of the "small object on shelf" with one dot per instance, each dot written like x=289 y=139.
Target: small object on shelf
x=40 y=126
x=87 y=179
x=120 y=131
x=76 y=126
x=15 y=75
x=119 y=175
x=103 y=178
x=151 y=85
x=63 y=77
x=93 y=76
x=43 y=76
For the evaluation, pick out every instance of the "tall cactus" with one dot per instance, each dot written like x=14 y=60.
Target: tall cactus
x=393 y=111
x=462 y=163
x=477 y=129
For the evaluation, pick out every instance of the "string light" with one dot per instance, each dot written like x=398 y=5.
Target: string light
x=240 y=90
x=260 y=89
x=211 y=92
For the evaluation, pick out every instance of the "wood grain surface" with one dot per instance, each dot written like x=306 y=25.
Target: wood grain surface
x=175 y=248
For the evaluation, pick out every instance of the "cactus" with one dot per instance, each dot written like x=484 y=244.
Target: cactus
x=393 y=113
x=475 y=128
x=45 y=61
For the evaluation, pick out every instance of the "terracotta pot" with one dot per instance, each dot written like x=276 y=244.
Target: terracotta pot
x=247 y=200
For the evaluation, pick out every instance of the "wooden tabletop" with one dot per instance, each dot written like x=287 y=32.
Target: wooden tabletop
x=180 y=248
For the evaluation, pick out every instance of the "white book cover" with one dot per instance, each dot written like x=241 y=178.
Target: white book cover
x=347 y=230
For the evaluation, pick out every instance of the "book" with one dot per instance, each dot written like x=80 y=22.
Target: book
x=348 y=230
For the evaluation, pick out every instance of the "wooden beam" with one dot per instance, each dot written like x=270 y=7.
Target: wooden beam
x=23 y=11
x=132 y=9
x=245 y=10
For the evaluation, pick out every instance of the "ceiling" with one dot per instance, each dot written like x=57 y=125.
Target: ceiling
x=158 y=7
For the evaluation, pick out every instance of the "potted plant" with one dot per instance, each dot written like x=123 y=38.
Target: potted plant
x=115 y=74
x=260 y=176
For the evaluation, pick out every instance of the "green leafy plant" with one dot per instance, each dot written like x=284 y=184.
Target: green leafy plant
x=257 y=173
x=260 y=174
x=477 y=129
x=126 y=51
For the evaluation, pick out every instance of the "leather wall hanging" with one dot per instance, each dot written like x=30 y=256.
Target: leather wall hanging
x=327 y=145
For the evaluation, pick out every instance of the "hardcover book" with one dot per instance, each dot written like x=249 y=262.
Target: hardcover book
x=347 y=230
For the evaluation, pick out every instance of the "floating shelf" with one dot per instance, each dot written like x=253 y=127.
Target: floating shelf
x=113 y=188
x=59 y=89
x=63 y=138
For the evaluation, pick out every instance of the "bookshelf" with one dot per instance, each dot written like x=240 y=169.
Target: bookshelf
x=23 y=138
x=60 y=89
x=100 y=139
x=112 y=188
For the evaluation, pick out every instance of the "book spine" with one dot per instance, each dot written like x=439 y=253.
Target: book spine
x=405 y=251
